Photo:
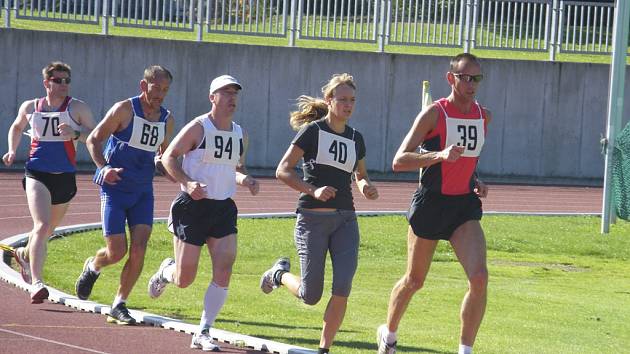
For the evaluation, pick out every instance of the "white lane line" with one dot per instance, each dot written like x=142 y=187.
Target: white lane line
x=52 y=341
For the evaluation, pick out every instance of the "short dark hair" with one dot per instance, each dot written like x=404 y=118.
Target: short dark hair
x=463 y=57
x=47 y=71
x=154 y=71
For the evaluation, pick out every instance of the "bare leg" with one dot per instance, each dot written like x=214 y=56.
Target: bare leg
x=186 y=262
x=419 y=255
x=39 y=205
x=133 y=267
x=115 y=250
x=292 y=283
x=469 y=244
x=223 y=254
x=333 y=317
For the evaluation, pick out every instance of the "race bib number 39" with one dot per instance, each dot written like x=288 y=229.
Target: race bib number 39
x=468 y=133
x=45 y=125
x=147 y=136
x=336 y=151
x=222 y=147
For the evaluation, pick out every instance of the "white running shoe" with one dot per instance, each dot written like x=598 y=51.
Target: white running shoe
x=203 y=341
x=23 y=264
x=158 y=283
x=381 y=339
x=267 y=280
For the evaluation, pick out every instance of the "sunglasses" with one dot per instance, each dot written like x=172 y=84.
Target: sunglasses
x=469 y=78
x=59 y=80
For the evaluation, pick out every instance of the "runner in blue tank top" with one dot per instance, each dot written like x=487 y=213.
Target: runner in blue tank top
x=57 y=122
x=135 y=129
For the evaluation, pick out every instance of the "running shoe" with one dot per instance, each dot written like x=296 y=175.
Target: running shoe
x=39 y=293
x=158 y=283
x=203 y=341
x=271 y=279
x=120 y=315
x=86 y=281
x=381 y=339
x=23 y=264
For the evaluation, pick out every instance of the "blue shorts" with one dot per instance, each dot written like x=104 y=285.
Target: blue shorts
x=117 y=207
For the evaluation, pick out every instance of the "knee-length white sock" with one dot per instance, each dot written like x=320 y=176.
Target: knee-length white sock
x=212 y=303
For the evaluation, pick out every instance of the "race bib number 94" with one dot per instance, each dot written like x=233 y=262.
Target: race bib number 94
x=222 y=147
x=468 y=133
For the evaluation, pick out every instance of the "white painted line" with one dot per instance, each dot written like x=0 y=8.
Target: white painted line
x=52 y=341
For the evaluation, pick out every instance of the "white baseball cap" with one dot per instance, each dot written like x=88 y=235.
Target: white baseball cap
x=222 y=81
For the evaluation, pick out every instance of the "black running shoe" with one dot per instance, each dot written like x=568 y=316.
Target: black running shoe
x=120 y=315
x=86 y=281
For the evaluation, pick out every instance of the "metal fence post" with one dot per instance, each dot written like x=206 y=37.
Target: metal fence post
x=7 y=14
x=473 y=22
x=381 y=27
x=467 y=26
x=292 y=21
x=554 y=30
x=199 y=21
x=104 y=17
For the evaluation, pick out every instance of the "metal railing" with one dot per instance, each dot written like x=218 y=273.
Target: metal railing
x=524 y=25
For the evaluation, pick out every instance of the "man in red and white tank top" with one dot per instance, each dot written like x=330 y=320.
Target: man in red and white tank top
x=451 y=133
x=57 y=122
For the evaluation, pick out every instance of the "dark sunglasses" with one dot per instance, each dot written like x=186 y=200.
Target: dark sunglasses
x=59 y=80
x=469 y=78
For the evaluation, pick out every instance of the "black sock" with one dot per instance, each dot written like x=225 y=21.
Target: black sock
x=322 y=351
x=277 y=277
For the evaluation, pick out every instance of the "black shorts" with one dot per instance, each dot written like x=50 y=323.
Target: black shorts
x=434 y=216
x=194 y=221
x=62 y=186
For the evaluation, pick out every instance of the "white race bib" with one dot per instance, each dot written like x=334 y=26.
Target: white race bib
x=222 y=147
x=468 y=133
x=45 y=125
x=146 y=135
x=336 y=151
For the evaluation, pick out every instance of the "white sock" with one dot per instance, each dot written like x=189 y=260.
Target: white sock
x=91 y=267
x=212 y=303
x=167 y=273
x=117 y=300
x=391 y=337
x=464 y=349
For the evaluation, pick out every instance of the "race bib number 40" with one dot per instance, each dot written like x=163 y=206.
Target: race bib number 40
x=222 y=147
x=336 y=151
x=146 y=135
x=468 y=133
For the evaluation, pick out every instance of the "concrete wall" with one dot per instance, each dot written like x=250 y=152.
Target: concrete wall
x=547 y=116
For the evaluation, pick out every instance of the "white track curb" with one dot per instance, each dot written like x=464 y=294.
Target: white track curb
x=12 y=277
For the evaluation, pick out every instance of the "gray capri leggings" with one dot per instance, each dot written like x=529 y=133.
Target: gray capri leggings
x=316 y=233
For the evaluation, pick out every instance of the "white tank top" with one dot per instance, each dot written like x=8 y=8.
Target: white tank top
x=214 y=161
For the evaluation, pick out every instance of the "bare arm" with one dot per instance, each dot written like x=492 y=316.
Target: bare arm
x=15 y=131
x=81 y=113
x=481 y=189
x=242 y=178
x=364 y=184
x=407 y=159
x=188 y=139
x=112 y=123
x=286 y=173
x=170 y=128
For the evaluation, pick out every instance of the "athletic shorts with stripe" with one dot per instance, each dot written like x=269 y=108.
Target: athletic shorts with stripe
x=117 y=207
x=434 y=216
x=194 y=221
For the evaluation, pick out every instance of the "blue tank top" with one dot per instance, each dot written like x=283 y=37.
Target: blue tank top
x=137 y=164
x=52 y=156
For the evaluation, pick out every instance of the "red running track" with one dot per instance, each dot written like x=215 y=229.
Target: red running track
x=52 y=328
